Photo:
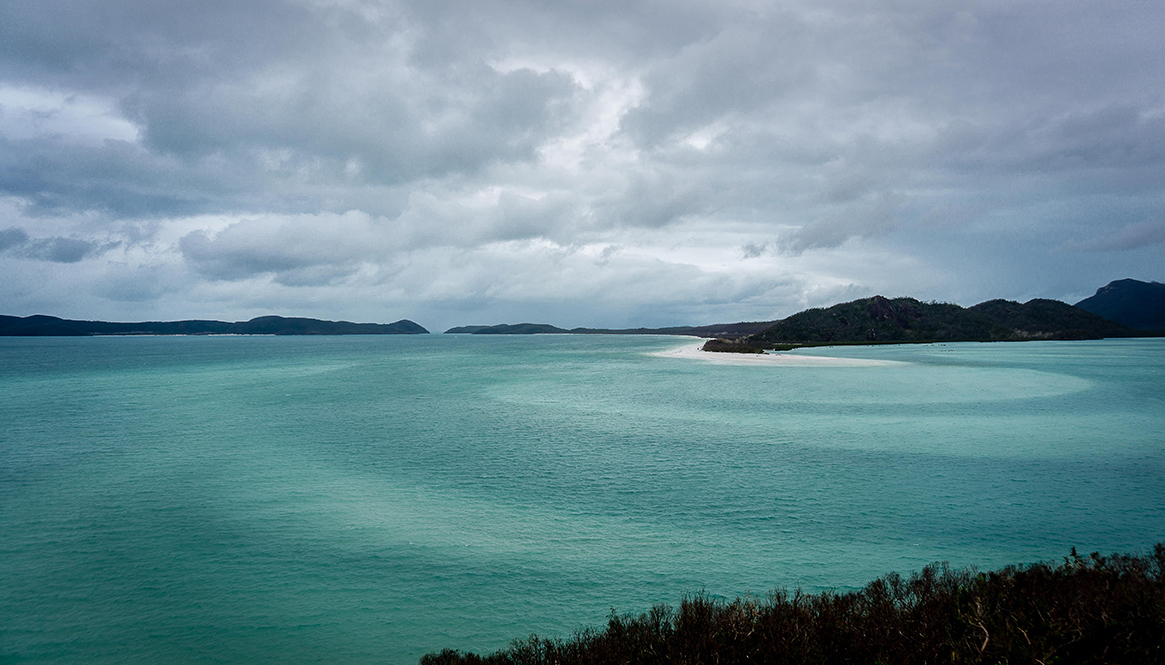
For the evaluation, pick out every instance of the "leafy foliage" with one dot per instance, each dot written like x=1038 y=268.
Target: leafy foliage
x=1092 y=609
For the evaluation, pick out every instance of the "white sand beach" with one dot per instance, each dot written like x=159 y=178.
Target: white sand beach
x=786 y=359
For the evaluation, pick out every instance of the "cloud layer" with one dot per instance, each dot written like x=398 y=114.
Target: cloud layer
x=630 y=163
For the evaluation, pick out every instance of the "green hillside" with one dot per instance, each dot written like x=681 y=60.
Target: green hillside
x=878 y=319
x=1049 y=319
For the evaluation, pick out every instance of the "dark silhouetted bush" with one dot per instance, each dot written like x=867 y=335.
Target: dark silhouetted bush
x=1092 y=609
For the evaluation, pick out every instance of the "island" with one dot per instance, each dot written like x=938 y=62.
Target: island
x=508 y=329
x=1123 y=308
x=727 y=330
x=51 y=326
x=884 y=320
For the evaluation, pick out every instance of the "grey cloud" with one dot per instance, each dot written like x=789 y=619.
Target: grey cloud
x=205 y=154
x=1128 y=237
x=295 y=251
x=797 y=130
x=621 y=31
x=1122 y=137
x=219 y=91
x=751 y=250
x=83 y=43
x=60 y=250
x=12 y=237
x=402 y=92
x=16 y=242
x=865 y=219
x=742 y=70
x=520 y=217
x=326 y=248
x=115 y=177
x=653 y=198
x=399 y=126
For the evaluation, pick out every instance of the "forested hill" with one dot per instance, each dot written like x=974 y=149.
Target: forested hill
x=881 y=319
x=1049 y=319
x=51 y=326
x=1129 y=302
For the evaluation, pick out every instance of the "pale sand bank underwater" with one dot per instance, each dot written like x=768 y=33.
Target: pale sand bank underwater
x=786 y=359
x=365 y=498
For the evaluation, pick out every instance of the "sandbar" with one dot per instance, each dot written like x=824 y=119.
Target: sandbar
x=785 y=359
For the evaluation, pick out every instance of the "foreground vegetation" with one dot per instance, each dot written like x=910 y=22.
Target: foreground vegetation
x=1092 y=609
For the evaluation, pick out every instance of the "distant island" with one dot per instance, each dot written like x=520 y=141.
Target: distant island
x=51 y=326
x=508 y=329
x=878 y=319
x=901 y=320
x=715 y=330
x=1123 y=308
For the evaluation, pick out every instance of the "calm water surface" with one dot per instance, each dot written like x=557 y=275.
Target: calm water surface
x=370 y=499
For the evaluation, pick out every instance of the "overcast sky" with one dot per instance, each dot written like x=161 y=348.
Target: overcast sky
x=602 y=163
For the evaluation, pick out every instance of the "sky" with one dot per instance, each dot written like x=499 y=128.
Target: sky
x=598 y=163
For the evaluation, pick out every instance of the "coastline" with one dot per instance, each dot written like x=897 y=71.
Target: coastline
x=783 y=359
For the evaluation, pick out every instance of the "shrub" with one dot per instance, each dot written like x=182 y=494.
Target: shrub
x=1091 y=609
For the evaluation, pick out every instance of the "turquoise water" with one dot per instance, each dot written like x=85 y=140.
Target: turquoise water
x=369 y=499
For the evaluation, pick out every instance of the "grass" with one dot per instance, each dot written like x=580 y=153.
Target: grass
x=1093 y=609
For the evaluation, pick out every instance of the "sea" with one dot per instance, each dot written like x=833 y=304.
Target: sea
x=370 y=499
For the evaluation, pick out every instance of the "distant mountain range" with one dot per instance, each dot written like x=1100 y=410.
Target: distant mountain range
x=51 y=326
x=1135 y=304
